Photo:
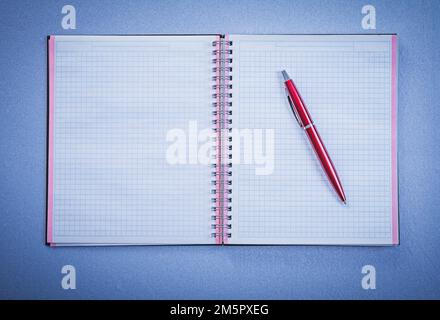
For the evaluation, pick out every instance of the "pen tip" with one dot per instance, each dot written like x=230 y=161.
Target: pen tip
x=285 y=75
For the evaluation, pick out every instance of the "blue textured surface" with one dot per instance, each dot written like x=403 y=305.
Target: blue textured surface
x=29 y=269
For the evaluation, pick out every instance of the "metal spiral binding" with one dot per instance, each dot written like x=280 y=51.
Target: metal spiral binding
x=221 y=183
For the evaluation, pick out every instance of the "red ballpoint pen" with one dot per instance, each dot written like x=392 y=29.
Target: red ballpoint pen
x=305 y=121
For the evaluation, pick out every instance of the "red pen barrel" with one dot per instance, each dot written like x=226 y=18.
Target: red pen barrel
x=324 y=159
x=303 y=115
x=306 y=122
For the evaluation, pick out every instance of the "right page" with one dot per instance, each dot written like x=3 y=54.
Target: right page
x=280 y=194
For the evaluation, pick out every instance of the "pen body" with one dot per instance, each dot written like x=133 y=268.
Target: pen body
x=324 y=159
x=306 y=122
x=303 y=116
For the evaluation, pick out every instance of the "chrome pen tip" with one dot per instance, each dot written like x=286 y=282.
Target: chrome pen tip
x=285 y=75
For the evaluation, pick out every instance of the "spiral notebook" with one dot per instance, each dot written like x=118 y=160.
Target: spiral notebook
x=189 y=139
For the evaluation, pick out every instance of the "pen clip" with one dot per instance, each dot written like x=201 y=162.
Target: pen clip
x=292 y=106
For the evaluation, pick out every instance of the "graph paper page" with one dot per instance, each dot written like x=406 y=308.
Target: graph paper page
x=346 y=82
x=120 y=104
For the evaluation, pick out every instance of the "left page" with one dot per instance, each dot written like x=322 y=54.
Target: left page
x=125 y=113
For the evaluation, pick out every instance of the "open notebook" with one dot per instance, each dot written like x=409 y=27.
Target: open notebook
x=190 y=140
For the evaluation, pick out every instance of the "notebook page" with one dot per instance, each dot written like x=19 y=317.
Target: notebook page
x=280 y=193
x=120 y=104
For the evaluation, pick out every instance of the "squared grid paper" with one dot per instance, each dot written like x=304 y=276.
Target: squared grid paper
x=346 y=83
x=116 y=98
